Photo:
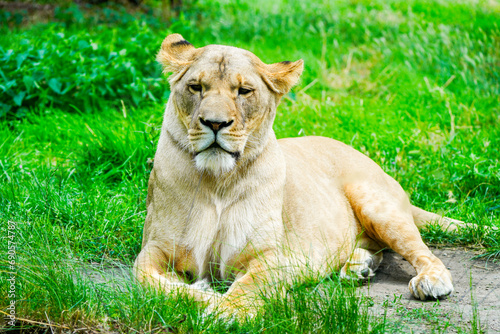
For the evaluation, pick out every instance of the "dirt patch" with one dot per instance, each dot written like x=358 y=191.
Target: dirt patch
x=477 y=288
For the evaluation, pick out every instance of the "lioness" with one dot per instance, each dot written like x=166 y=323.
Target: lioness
x=227 y=200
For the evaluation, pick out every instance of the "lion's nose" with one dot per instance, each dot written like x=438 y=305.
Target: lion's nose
x=215 y=125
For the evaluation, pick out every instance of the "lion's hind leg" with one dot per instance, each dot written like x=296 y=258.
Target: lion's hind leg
x=384 y=212
x=362 y=264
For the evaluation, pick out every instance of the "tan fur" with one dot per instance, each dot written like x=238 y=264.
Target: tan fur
x=256 y=210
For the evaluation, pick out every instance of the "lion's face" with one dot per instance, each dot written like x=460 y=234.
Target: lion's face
x=225 y=99
x=221 y=103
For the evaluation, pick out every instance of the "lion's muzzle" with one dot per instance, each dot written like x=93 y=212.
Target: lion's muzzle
x=215 y=148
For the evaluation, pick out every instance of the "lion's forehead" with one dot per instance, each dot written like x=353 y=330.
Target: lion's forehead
x=225 y=62
x=228 y=54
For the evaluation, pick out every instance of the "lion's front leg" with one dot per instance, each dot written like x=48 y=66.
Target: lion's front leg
x=245 y=295
x=152 y=268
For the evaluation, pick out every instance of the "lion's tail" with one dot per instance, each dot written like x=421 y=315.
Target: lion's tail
x=423 y=218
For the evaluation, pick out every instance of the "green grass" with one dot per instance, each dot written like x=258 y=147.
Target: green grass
x=413 y=84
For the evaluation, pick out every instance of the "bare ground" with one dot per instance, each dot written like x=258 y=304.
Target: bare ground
x=474 y=278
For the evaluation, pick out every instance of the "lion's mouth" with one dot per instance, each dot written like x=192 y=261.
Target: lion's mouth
x=216 y=145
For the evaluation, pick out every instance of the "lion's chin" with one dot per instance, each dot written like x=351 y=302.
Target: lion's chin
x=215 y=161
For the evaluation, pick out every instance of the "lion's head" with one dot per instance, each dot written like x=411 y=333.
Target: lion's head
x=223 y=101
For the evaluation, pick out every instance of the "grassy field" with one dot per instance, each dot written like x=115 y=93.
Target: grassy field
x=415 y=85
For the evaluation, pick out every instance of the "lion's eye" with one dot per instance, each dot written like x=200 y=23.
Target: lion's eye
x=244 y=91
x=195 y=88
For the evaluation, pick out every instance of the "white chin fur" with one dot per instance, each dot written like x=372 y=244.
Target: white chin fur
x=215 y=160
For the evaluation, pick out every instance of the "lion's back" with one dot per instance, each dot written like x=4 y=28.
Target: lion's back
x=324 y=156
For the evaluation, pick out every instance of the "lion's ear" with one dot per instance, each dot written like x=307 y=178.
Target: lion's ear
x=281 y=77
x=175 y=54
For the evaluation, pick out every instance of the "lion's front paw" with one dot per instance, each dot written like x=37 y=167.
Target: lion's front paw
x=431 y=286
